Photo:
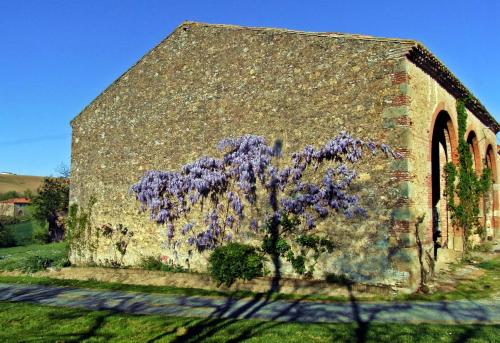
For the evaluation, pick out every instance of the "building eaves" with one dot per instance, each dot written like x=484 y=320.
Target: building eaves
x=416 y=53
x=430 y=64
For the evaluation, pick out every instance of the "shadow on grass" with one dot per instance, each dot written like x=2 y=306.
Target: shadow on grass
x=223 y=314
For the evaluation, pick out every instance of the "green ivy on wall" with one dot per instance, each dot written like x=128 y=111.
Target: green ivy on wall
x=79 y=229
x=464 y=188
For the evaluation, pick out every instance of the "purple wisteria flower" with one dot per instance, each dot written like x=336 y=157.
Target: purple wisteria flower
x=231 y=183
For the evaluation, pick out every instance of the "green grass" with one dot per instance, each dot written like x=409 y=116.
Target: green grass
x=23 y=322
x=92 y=284
x=23 y=232
x=491 y=265
x=480 y=288
x=15 y=257
x=484 y=287
x=112 y=286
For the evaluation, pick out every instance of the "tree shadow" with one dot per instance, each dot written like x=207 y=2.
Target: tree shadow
x=234 y=309
x=465 y=313
x=45 y=295
x=91 y=332
x=458 y=311
x=362 y=316
x=222 y=313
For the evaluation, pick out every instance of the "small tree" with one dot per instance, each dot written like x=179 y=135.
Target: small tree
x=463 y=184
x=63 y=170
x=227 y=192
x=51 y=205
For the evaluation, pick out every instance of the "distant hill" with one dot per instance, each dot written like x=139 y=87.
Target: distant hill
x=19 y=183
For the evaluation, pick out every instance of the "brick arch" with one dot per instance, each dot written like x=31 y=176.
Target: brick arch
x=443 y=148
x=443 y=110
x=474 y=144
x=491 y=207
x=490 y=161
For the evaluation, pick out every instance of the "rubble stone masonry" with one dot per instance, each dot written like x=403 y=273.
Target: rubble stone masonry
x=207 y=82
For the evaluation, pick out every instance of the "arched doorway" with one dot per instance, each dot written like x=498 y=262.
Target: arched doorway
x=489 y=200
x=478 y=168
x=443 y=150
x=474 y=149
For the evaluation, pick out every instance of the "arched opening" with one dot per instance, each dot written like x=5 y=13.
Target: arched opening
x=474 y=148
x=489 y=203
x=443 y=150
x=476 y=165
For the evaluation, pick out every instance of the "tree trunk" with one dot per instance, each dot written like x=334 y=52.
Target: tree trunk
x=56 y=228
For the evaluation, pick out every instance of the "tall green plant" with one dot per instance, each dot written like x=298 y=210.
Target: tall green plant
x=464 y=185
x=51 y=205
x=79 y=229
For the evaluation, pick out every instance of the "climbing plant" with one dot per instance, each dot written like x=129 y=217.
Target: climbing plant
x=79 y=230
x=120 y=237
x=464 y=185
x=228 y=191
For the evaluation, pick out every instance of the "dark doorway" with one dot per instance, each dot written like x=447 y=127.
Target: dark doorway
x=442 y=149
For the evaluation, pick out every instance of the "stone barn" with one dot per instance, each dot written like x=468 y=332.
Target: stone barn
x=14 y=207
x=206 y=82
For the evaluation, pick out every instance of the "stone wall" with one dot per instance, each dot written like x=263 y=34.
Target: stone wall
x=208 y=82
x=7 y=209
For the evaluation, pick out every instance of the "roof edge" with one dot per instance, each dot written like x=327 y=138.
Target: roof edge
x=299 y=32
x=430 y=64
x=130 y=68
x=418 y=54
x=187 y=23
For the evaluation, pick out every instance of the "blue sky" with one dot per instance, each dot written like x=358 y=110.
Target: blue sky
x=56 y=56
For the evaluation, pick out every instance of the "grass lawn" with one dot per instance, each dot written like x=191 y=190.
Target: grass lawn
x=92 y=284
x=486 y=286
x=14 y=258
x=23 y=322
x=483 y=287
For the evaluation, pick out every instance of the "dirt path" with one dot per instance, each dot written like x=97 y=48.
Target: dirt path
x=450 y=312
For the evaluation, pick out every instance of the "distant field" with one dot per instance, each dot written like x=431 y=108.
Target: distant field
x=19 y=183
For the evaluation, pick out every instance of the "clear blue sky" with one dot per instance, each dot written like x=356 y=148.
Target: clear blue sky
x=56 y=56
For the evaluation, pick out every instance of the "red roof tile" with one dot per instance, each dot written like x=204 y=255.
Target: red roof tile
x=16 y=201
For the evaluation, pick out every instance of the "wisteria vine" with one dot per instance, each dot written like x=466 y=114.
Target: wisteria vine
x=225 y=187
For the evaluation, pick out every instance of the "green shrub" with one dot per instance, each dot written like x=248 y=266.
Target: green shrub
x=298 y=263
x=9 y=220
x=235 y=261
x=41 y=235
x=338 y=279
x=7 y=238
x=27 y=214
x=156 y=263
x=36 y=263
x=61 y=262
